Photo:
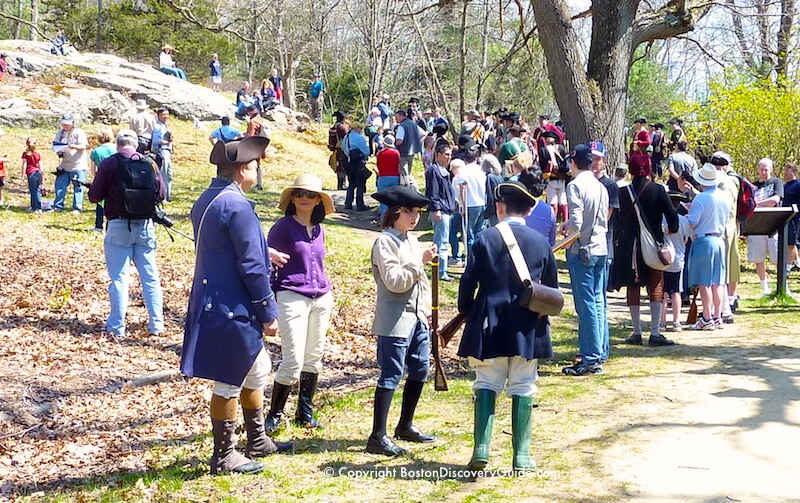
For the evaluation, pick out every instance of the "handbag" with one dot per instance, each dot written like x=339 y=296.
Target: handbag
x=657 y=255
x=536 y=297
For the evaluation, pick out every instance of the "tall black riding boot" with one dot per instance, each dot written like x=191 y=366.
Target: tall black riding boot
x=280 y=392
x=379 y=442
x=305 y=411
x=405 y=427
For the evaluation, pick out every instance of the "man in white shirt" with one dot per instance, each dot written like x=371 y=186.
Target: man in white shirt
x=475 y=179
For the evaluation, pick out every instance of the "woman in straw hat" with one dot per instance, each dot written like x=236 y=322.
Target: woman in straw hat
x=303 y=293
x=708 y=216
x=167 y=64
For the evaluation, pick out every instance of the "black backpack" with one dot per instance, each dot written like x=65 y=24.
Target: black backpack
x=136 y=193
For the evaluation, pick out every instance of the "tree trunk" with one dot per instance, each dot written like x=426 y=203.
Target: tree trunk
x=290 y=81
x=484 y=55
x=593 y=102
x=784 y=38
x=18 y=24
x=462 y=84
x=565 y=68
x=34 y=20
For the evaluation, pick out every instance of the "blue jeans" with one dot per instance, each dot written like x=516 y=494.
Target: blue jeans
x=606 y=331
x=441 y=235
x=164 y=161
x=395 y=353
x=588 y=289
x=121 y=247
x=175 y=72
x=63 y=181
x=456 y=228
x=475 y=223
x=34 y=182
x=383 y=183
x=356 y=186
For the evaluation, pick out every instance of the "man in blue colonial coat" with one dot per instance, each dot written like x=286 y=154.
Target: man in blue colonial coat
x=231 y=306
x=502 y=339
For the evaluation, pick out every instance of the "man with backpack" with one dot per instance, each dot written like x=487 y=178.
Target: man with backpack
x=132 y=188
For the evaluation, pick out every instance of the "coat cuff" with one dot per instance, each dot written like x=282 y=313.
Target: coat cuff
x=266 y=309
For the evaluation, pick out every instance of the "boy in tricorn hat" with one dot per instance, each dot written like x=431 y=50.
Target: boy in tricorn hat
x=502 y=339
x=231 y=307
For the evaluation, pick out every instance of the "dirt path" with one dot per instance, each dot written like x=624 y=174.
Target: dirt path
x=721 y=422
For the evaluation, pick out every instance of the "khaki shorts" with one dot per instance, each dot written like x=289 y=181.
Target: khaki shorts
x=556 y=193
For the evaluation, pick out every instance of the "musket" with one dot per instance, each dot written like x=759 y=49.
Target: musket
x=439 y=379
x=452 y=326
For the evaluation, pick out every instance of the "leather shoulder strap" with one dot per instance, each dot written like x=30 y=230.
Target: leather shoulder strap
x=513 y=249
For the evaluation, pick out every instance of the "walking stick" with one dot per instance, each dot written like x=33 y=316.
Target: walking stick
x=439 y=379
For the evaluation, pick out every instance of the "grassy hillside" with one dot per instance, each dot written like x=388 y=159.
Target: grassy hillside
x=76 y=426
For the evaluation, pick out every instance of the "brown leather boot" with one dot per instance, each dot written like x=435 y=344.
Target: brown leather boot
x=258 y=443
x=225 y=458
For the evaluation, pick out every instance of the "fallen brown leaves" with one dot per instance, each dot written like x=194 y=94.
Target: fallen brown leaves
x=68 y=408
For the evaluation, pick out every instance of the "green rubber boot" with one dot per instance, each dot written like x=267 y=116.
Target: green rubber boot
x=484 y=421
x=521 y=432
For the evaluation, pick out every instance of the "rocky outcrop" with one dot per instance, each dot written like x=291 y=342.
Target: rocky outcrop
x=103 y=88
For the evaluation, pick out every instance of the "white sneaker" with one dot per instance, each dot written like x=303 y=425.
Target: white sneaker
x=677 y=327
x=703 y=324
x=717 y=323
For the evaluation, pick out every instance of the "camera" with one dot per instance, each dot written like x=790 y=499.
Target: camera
x=162 y=218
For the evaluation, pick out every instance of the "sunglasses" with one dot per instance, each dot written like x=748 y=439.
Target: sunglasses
x=304 y=193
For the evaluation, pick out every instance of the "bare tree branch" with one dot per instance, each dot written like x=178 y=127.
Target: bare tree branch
x=25 y=22
x=702 y=49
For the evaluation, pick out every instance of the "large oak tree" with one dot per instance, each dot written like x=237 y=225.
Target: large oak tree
x=592 y=95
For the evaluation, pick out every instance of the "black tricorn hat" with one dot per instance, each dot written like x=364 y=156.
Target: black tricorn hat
x=413 y=100
x=440 y=129
x=549 y=134
x=238 y=152
x=515 y=191
x=513 y=116
x=400 y=195
x=340 y=114
x=501 y=111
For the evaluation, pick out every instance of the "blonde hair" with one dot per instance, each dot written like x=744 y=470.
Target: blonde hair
x=267 y=83
x=105 y=135
x=30 y=142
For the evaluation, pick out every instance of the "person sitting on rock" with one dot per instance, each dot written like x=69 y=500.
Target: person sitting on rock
x=167 y=65
x=59 y=44
x=268 y=96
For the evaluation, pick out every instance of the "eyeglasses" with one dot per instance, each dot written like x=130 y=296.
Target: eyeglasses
x=304 y=193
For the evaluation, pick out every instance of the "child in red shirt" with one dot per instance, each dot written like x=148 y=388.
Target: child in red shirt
x=32 y=169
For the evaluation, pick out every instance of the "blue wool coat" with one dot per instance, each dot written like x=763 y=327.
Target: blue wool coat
x=495 y=324
x=231 y=295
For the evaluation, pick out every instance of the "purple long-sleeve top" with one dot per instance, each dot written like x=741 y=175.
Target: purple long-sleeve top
x=304 y=273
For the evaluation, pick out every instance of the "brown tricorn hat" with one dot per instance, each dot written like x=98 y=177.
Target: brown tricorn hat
x=238 y=152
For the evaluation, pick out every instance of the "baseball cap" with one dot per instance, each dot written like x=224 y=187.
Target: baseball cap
x=582 y=155
x=597 y=148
